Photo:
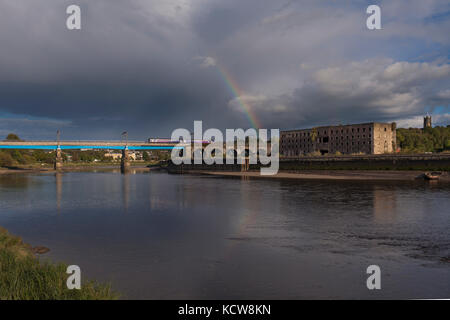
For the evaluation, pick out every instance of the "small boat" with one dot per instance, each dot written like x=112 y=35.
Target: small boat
x=432 y=175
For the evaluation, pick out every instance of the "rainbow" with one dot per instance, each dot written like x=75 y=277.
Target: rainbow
x=237 y=93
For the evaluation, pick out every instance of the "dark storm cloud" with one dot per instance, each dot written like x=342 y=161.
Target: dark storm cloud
x=152 y=66
x=127 y=68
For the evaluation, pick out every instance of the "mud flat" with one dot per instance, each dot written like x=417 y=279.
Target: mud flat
x=332 y=175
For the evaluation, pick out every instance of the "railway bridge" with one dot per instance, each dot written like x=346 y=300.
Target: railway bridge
x=58 y=146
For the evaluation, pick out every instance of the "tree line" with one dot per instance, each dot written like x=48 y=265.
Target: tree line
x=414 y=140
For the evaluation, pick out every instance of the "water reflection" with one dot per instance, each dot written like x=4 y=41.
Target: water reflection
x=125 y=191
x=384 y=205
x=208 y=237
x=14 y=180
x=58 y=182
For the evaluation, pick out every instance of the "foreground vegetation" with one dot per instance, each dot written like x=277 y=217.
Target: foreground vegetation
x=24 y=277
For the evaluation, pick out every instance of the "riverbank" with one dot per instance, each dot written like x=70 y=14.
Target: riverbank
x=330 y=175
x=74 y=167
x=23 y=170
x=25 y=277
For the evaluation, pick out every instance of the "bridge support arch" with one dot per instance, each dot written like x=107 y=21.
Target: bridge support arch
x=125 y=161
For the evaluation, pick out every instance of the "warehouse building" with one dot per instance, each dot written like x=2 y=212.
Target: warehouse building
x=367 y=138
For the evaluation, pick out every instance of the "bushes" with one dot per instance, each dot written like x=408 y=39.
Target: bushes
x=12 y=137
x=5 y=159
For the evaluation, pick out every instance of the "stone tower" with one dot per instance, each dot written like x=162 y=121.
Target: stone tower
x=427 y=122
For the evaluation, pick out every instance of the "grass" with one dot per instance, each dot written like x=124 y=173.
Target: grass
x=25 y=277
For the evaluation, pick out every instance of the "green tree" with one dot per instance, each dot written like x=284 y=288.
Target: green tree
x=5 y=159
x=12 y=137
x=427 y=140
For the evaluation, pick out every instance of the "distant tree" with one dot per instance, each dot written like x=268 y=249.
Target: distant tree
x=5 y=159
x=447 y=144
x=12 y=137
x=44 y=156
x=427 y=140
x=145 y=156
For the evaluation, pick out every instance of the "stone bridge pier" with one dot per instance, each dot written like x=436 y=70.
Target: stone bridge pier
x=58 y=160
x=125 y=161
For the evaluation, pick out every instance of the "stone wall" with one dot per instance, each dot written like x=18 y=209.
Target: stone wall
x=438 y=162
x=384 y=138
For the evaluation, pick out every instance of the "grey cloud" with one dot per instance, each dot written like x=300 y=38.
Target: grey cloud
x=151 y=66
x=360 y=92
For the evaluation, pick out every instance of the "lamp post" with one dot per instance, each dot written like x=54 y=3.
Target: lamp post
x=125 y=161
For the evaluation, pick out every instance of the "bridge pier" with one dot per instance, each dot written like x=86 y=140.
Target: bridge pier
x=125 y=161
x=58 y=160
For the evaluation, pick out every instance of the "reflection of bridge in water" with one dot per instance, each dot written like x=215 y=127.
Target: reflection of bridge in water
x=89 y=145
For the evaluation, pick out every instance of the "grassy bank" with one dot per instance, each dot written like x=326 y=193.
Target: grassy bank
x=24 y=277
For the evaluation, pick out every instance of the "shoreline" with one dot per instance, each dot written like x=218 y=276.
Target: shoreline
x=361 y=175
x=351 y=175
x=25 y=276
x=138 y=168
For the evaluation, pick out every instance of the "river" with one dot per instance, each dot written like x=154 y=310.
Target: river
x=160 y=236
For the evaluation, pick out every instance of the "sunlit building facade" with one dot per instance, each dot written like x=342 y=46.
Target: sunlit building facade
x=364 y=138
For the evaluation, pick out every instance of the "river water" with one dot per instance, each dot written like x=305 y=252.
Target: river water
x=160 y=236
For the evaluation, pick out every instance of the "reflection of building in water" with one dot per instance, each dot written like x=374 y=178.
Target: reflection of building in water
x=384 y=204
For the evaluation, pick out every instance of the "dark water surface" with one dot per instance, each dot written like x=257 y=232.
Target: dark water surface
x=159 y=236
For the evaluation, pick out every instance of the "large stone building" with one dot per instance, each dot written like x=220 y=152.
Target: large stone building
x=368 y=138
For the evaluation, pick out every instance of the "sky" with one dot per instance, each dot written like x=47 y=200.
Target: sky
x=149 y=67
